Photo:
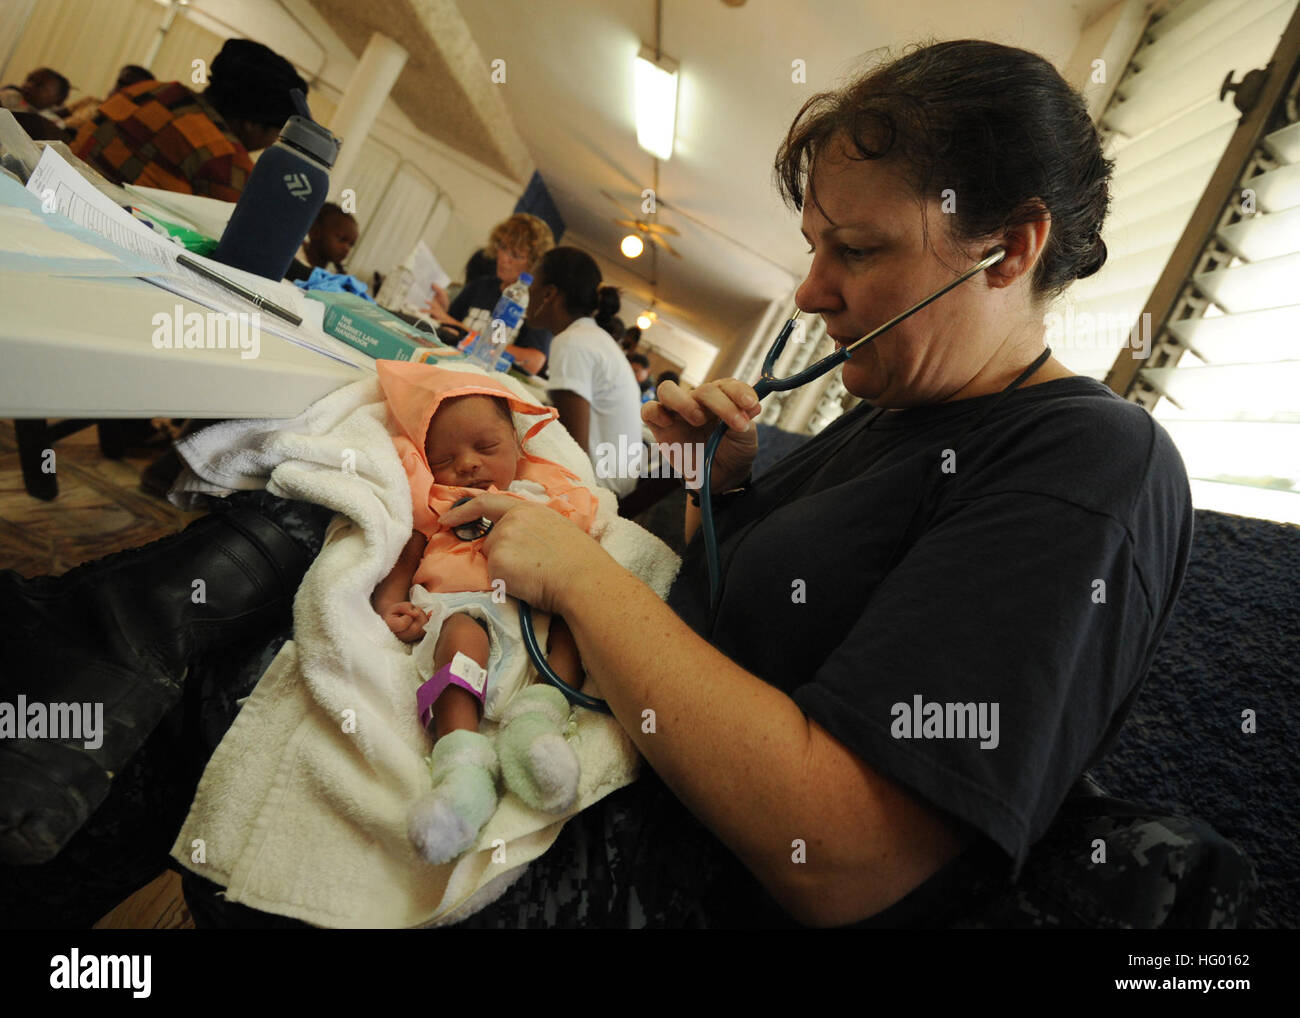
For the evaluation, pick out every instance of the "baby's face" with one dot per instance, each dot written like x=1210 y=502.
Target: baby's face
x=471 y=445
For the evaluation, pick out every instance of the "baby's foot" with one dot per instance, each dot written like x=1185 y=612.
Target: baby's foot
x=446 y=822
x=537 y=762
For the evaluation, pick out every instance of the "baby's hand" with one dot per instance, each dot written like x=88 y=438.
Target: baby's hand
x=406 y=621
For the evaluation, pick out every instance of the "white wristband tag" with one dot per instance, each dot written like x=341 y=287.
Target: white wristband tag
x=465 y=667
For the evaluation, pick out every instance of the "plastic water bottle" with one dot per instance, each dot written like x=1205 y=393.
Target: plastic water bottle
x=281 y=199
x=482 y=353
x=507 y=320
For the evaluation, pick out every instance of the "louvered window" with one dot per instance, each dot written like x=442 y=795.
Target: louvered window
x=1204 y=243
x=1205 y=249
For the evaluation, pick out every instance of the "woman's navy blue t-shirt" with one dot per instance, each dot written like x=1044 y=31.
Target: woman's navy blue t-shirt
x=969 y=609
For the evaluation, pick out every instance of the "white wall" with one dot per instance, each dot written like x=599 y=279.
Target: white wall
x=89 y=40
x=1110 y=38
x=695 y=355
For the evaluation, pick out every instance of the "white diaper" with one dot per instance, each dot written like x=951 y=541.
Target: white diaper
x=508 y=667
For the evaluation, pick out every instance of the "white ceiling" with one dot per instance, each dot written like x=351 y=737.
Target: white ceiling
x=569 y=91
x=569 y=88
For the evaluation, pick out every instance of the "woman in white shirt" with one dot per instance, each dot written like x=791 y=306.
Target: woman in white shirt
x=590 y=380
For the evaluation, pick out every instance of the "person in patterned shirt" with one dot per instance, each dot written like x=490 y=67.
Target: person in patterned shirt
x=162 y=134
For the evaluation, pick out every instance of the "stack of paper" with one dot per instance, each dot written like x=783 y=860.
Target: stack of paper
x=32 y=241
x=58 y=186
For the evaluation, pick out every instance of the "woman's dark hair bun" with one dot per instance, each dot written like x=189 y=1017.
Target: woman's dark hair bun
x=1099 y=258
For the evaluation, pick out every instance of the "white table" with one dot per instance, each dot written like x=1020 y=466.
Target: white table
x=83 y=348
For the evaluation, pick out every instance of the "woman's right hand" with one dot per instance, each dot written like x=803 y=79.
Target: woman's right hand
x=680 y=417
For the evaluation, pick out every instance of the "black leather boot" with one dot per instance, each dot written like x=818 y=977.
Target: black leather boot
x=122 y=632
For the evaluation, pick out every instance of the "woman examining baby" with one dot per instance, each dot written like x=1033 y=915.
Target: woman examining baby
x=985 y=531
x=943 y=543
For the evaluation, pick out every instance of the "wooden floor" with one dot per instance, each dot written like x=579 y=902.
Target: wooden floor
x=158 y=906
x=99 y=510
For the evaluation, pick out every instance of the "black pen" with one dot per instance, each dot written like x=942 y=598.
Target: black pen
x=250 y=295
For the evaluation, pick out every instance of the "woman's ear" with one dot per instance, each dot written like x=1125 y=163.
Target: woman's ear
x=1024 y=246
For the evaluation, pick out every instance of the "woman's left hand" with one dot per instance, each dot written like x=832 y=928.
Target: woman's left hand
x=538 y=552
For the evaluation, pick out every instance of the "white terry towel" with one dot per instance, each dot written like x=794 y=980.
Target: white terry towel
x=302 y=809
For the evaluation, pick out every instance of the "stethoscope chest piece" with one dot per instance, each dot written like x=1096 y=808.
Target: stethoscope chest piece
x=474 y=529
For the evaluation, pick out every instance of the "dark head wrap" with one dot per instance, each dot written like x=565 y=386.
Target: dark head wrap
x=252 y=82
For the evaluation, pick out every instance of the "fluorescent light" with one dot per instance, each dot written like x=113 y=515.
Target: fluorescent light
x=632 y=246
x=656 y=103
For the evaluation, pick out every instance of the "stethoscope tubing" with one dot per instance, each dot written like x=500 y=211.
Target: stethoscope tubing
x=574 y=696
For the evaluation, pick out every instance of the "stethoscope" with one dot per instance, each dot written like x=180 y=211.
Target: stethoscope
x=472 y=531
x=767 y=382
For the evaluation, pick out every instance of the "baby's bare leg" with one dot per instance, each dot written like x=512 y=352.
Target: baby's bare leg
x=457 y=708
x=562 y=653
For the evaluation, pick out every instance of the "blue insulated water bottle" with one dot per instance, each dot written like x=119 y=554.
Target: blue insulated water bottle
x=281 y=199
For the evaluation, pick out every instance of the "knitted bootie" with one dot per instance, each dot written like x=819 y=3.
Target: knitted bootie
x=446 y=821
x=537 y=762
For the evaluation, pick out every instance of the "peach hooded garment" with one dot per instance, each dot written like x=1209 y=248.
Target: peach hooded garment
x=413 y=393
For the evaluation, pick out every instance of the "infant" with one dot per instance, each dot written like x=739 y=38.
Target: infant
x=470 y=446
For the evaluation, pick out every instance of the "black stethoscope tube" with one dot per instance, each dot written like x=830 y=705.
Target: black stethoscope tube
x=574 y=696
x=472 y=531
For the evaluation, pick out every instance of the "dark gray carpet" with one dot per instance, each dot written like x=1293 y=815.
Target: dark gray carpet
x=1233 y=644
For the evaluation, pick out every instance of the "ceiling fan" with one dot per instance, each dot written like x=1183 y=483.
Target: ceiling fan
x=651 y=233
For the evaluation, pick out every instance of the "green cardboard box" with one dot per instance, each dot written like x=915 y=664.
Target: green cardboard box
x=375 y=331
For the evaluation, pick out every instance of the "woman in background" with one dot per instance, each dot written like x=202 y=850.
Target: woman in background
x=516 y=244
x=43 y=91
x=591 y=382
